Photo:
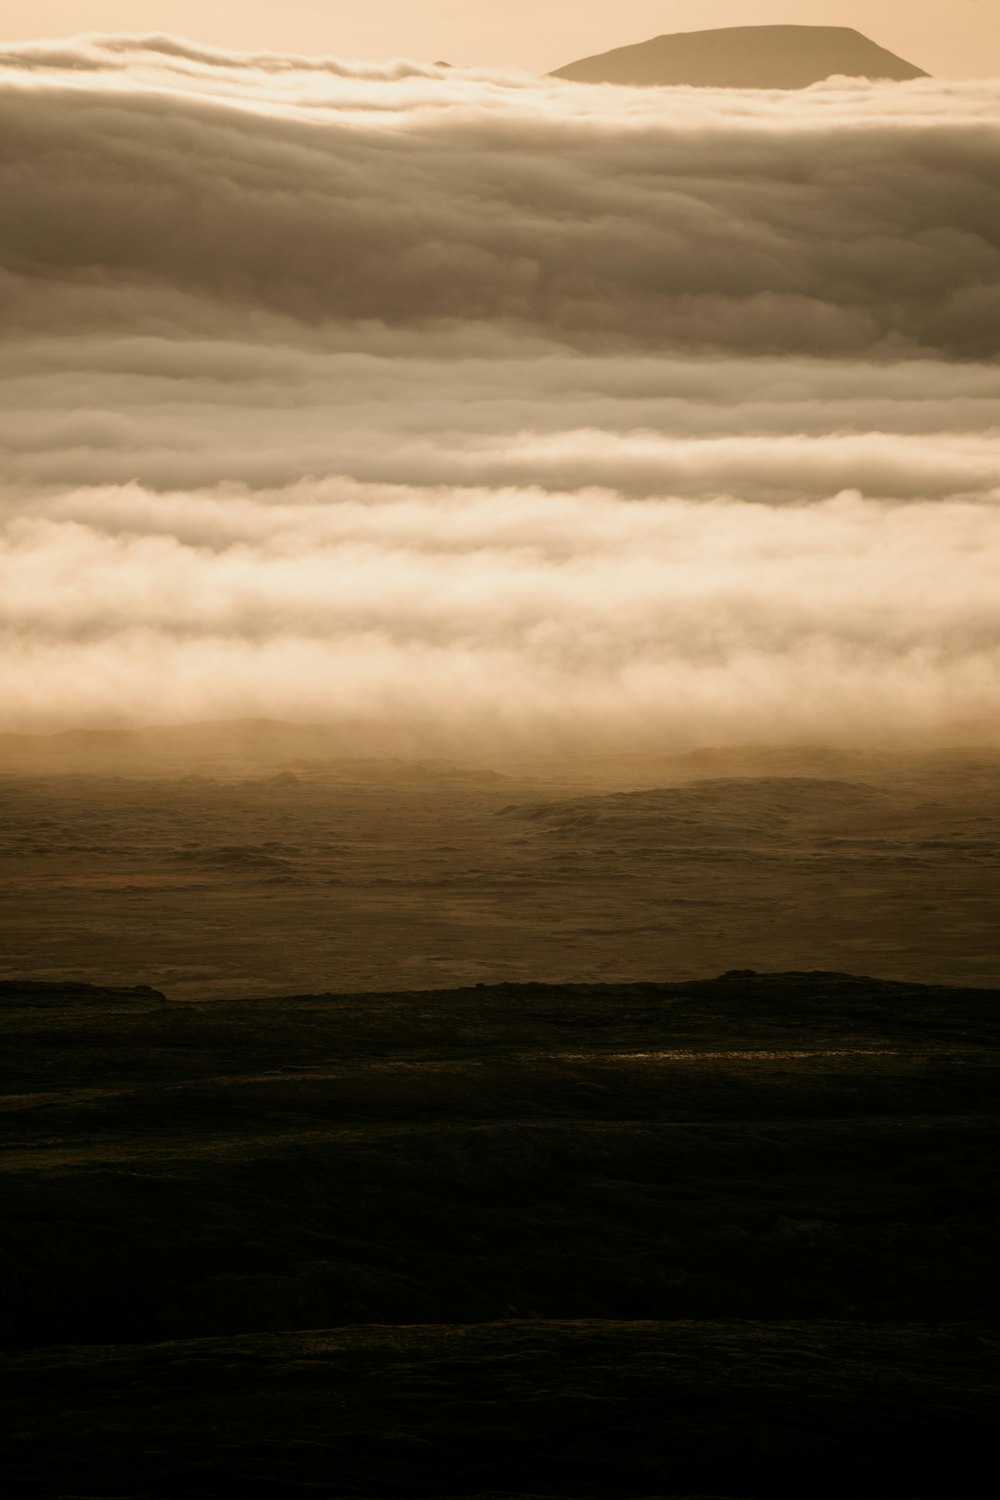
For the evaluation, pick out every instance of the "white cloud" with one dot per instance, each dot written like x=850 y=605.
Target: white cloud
x=464 y=408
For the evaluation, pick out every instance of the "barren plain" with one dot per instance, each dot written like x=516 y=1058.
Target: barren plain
x=313 y=1189
x=264 y=862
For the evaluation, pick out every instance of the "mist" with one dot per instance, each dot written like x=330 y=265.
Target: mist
x=473 y=412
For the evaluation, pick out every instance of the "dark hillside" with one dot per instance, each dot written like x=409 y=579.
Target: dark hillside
x=635 y=1239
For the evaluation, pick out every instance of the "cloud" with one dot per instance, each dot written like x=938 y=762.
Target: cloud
x=475 y=410
x=318 y=193
x=501 y=617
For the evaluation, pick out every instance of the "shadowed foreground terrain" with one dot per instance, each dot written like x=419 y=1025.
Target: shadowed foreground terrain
x=730 y=1238
x=571 y=1408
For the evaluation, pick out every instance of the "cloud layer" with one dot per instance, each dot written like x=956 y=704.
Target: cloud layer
x=466 y=409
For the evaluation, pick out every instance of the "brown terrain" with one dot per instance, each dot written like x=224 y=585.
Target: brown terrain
x=259 y=860
x=310 y=1189
x=728 y=1238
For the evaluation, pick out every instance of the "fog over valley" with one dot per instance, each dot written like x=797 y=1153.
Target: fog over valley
x=500 y=752
x=480 y=409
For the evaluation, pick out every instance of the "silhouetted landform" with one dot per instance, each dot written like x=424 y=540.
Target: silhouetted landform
x=744 y=57
x=30 y=992
x=581 y=1240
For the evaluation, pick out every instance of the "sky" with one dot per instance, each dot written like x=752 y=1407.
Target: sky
x=472 y=411
x=950 y=38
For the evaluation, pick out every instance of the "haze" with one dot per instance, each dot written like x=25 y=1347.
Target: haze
x=467 y=410
x=500 y=751
x=958 y=40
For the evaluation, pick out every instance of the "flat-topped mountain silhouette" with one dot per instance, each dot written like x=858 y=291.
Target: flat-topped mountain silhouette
x=748 y=57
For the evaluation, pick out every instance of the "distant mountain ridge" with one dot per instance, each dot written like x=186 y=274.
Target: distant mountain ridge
x=749 y=57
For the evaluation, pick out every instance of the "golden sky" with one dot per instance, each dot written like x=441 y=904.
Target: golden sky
x=951 y=38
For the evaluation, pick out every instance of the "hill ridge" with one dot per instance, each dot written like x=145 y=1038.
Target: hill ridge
x=770 y=57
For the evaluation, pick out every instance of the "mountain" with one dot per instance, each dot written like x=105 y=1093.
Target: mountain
x=747 y=57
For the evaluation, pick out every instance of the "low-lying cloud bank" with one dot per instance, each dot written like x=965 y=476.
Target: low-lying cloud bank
x=152 y=183
x=472 y=410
